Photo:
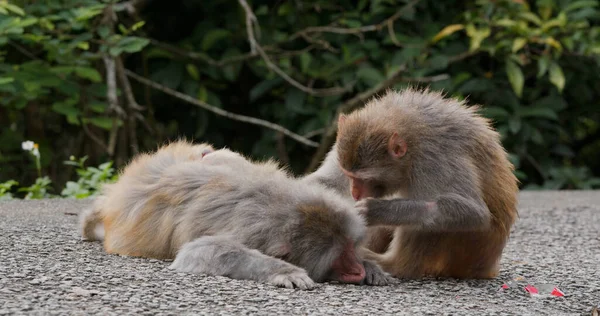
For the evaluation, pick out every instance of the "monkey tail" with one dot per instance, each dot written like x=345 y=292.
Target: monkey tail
x=90 y=222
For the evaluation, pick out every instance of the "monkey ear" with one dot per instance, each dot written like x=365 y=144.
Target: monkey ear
x=397 y=146
x=206 y=151
x=341 y=119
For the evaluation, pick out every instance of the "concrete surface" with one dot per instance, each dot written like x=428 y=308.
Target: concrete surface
x=45 y=269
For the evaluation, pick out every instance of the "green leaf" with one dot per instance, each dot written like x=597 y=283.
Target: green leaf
x=83 y=45
x=214 y=36
x=538 y=112
x=555 y=103
x=284 y=9
x=98 y=107
x=543 y=64
x=6 y=80
x=103 y=31
x=294 y=101
x=192 y=70
x=132 y=44
x=514 y=125
x=447 y=31
x=530 y=17
x=505 y=23
x=28 y=22
x=66 y=108
x=370 y=75
x=13 y=8
x=515 y=77
x=477 y=36
x=86 y=13
x=559 y=21
x=263 y=87
x=202 y=94
x=575 y=5
x=537 y=137
x=556 y=76
x=305 y=60
x=439 y=62
x=88 y=73
x=494 y=112
x=518 y=43
x=123 y=29
x=137 y=25
x=102 y=122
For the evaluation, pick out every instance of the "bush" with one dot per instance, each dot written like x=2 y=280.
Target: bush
x=107 y=80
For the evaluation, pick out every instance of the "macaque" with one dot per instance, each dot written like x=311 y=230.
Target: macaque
x=433 y=171
x=215 y=212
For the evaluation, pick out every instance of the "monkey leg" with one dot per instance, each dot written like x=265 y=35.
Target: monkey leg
x=379 y=238
x=221 y=255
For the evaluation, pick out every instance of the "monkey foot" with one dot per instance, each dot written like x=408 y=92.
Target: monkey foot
x=299 y=280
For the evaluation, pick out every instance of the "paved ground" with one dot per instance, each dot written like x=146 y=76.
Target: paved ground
x=45 y=269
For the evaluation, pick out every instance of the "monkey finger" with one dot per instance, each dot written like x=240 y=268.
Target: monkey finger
x=304 y=282
x=374 y=275
x=361 y=207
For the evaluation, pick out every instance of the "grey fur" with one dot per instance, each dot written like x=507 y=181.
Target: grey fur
x=227 y=216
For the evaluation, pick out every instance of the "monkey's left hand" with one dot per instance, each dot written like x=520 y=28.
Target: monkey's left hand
x=372 y=210
x=374 y=275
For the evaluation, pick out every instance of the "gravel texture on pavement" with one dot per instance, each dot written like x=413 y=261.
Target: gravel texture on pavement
x=45 y=269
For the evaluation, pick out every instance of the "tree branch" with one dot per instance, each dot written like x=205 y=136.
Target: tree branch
x=357 y=30
x=256 y=48
x=132 y=106
x=221 y=112
x=426 y=79
x=91 y=135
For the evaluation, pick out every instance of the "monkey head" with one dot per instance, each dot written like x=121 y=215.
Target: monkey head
x=373 y=155
x=325 y=240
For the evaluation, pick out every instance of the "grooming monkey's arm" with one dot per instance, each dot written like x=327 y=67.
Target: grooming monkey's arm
x=447 y=212
x=220 y=255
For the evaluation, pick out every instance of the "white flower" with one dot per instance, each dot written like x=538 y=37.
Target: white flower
x=27 y=145
x=36 y=152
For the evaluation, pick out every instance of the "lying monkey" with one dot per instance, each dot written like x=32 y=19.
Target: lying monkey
x=217 y=213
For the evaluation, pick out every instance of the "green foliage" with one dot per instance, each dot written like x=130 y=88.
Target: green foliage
x=38 y=190
x=5 y=188
x=88 y=184
x=532 y=65
x=90 y=179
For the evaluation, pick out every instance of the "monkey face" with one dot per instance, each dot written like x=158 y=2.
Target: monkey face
x=324 y=244
x=362 y=188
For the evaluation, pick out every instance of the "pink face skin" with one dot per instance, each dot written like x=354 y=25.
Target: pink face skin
x=346 y=267
x=360 y=190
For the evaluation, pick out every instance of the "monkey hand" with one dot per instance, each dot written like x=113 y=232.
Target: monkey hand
x=369 y=209
x=290 y=279
x=374 y=275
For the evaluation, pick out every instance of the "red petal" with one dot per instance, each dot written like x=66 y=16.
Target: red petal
x=531 y=289
x=557 y=292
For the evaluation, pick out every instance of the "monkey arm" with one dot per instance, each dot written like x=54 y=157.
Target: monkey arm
x=447 y=212
x=223 y=256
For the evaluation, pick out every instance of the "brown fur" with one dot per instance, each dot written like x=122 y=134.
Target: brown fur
x=440 y=134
